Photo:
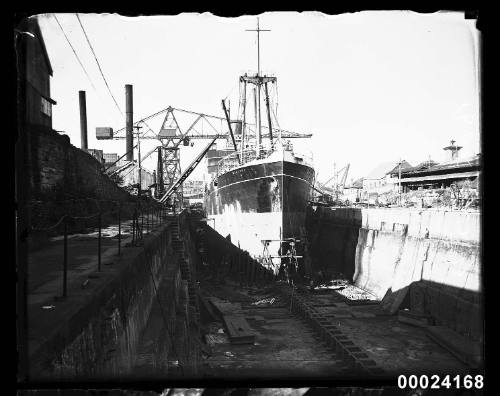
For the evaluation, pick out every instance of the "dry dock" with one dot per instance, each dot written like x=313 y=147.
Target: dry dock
x=163 y=308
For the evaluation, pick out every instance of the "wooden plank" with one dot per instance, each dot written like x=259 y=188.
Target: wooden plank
x=224 y=308
x=358 y=314
x=238 y=330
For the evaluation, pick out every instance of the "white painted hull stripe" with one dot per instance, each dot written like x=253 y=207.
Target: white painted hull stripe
x=262 y=177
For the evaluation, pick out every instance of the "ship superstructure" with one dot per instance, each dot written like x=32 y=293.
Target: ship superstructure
x=259 y=192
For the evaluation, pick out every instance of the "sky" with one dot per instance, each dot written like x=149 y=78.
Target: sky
x=370 y=86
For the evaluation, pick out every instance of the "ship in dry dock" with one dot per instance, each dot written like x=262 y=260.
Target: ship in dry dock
x=260 y=190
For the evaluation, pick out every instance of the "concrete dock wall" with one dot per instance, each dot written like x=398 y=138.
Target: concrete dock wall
x=99 y=338
x=427 y=260
x=140 y=318
x=456 y=226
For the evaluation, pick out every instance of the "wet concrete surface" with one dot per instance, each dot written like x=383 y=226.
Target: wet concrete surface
x=287 y=347
x=284 y=347
x=46 y=264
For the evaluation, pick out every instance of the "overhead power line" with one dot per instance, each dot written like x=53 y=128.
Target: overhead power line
x=74 y=52
x=98 y=65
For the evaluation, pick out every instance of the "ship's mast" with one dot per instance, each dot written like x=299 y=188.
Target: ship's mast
x=258 y=84
x=243 y=135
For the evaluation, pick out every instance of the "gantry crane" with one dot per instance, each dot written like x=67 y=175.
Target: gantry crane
x=172 y=136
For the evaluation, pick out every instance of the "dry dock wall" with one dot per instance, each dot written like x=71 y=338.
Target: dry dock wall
x=427 y=260
x=99 y=337
x=222 y=260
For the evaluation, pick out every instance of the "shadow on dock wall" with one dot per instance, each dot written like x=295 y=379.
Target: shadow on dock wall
x=144 y=310
x=393 y=265
x=332 y=241
x=218 y=257
x=428 y=261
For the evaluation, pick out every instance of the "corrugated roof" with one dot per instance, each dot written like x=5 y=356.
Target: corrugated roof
x=458 y=175
x=422 y=166
x=386 y=167
x=453 y=165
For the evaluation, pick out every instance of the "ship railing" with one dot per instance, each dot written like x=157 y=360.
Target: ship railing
x=239 y=158
x=304 y=157
x=232 y=160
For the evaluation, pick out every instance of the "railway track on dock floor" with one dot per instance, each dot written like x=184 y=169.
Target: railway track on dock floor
x=311 y=308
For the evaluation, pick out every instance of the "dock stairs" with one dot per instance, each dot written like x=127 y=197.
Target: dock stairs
x=180 y=249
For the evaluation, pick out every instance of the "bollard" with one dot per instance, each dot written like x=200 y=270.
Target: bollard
x=65 y=262
x=99 y=244
x=119 y=228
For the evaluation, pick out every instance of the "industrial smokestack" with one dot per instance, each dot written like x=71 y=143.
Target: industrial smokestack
x=129 y=113
x=83 y=119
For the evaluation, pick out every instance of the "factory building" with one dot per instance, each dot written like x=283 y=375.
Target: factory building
x=35 y=72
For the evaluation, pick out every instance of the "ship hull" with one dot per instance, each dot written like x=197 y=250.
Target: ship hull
x=263 y=201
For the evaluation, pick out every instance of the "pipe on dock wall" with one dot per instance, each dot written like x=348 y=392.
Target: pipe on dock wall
x=129 y=111
x=83 y=120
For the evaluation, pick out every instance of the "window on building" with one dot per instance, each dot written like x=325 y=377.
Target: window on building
x=46 y=107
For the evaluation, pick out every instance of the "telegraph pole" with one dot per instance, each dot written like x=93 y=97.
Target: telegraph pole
x=399 y=180
x=139 y=159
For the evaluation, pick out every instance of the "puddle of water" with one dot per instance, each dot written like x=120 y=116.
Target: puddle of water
x=110 y=231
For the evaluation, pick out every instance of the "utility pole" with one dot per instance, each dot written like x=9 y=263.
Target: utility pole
x=336 y=179
x=139 y=160
x=399 y=180
x=159 y=173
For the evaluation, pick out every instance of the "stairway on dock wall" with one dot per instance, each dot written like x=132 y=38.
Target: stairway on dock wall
x=179 y=248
